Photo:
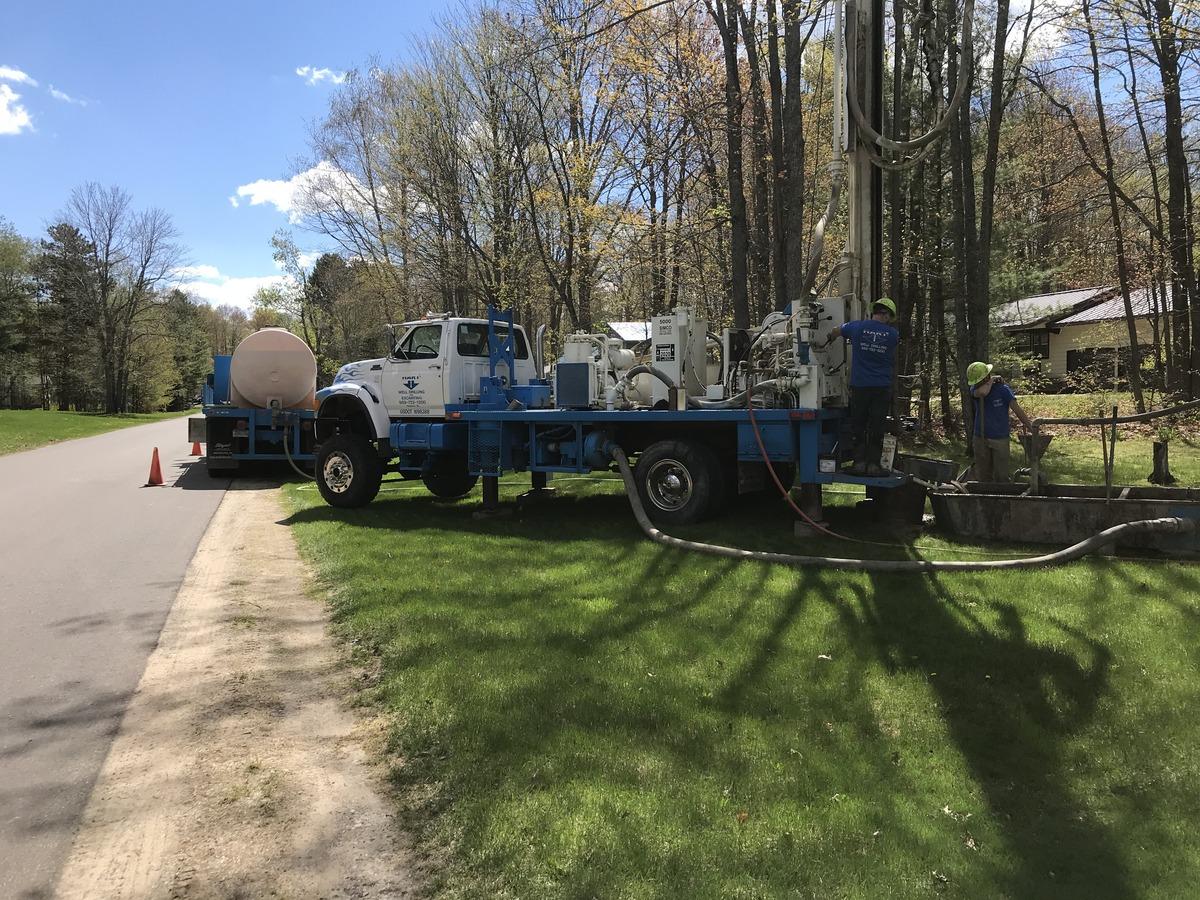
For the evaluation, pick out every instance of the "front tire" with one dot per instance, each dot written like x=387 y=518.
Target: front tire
x=679 y=482
x=348 y=471
x=448 y=479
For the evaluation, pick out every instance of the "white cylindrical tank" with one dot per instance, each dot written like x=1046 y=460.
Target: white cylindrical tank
x=273 y=367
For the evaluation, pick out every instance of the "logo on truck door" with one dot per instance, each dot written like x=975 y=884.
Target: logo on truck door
x=411 y=399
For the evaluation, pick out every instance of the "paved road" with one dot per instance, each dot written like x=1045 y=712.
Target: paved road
x=89 y=565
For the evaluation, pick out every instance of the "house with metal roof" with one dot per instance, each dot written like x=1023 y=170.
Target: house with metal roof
x=630 y=333
x=1073 y=331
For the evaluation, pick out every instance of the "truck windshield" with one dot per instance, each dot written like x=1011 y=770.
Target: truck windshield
x=473 y=340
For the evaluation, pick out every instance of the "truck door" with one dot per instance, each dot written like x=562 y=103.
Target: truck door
x=471 y=346
x=412 y=376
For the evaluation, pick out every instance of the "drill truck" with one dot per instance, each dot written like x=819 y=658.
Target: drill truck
x=707 y=416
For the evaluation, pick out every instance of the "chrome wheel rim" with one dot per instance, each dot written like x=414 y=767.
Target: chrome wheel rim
x=669 y=485
x=338 y=472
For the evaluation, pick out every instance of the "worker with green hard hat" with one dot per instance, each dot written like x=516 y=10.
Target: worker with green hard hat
x=993 y=400
x=873 y=343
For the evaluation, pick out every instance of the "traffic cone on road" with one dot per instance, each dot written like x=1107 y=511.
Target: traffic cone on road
x=196 y=449
x=155 y=471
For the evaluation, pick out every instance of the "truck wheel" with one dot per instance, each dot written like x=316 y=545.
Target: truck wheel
x=348 y=471
x=679 y=481
x=448 y=479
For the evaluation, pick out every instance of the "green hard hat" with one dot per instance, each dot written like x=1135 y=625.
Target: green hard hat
x=977 y=371
x=886 y=303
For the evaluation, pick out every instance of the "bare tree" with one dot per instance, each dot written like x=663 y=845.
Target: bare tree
x=135 y=255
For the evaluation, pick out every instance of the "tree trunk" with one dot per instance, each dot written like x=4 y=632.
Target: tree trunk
x=760 y=273
x=1183 y=278
x=779 y=260
x=793 y=144
x=727 y=24
x=1135 y=357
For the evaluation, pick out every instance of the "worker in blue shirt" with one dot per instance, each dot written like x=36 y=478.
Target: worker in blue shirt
x=873 y=343
x=992 y=400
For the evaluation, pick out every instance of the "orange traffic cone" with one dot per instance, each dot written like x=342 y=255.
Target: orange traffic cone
x=155 y=471
x=196 y=449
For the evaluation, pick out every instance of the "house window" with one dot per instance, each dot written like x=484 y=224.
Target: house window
x=1094 y=361
x=1104 y=362
x=1039 y=344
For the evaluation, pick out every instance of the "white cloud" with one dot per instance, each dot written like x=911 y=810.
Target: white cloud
x=211 y=272
x=14 y=118
x=8 y=73
x=65 y=97
x=321 y=186
x=215 y=289
x=233 y=201
x=279 y=193
x=311 y=75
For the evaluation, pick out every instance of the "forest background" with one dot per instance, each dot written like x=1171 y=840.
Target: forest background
x=586 y=161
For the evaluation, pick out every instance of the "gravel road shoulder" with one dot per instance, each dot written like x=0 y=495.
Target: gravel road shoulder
x=238 y=771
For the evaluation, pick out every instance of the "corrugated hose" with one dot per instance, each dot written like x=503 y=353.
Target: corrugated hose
x=1067 y=554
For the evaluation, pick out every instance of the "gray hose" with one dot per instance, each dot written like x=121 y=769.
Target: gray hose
x=966 y=51
x=817 y=248
x=737 y=401
x=288 y=452
x=1067 y=554
x=644 y=369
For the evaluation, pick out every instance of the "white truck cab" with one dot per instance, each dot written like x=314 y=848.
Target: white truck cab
x=435 y=362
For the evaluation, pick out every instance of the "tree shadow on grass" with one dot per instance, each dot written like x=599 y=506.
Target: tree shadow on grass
x=1009 y=705
x=568 y=697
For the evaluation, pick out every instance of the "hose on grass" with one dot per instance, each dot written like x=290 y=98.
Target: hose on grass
x=1067 y=554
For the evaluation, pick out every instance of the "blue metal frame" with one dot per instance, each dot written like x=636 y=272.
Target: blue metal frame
x=261 y=430
x=799 y=436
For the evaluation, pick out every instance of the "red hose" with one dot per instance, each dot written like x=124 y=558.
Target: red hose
x=787 y=495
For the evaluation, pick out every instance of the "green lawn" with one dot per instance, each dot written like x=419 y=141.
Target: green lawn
x=1077 y=406
x=577 y=712
x=24 y=429
x=1077 y=459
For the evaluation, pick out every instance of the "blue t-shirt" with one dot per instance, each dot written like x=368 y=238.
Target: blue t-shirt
x=995 y=412
x=874 y=345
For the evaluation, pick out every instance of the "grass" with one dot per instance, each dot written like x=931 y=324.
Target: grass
x=1077 y=406
x=577 y=712
x=25 y=429
x=1076 y=458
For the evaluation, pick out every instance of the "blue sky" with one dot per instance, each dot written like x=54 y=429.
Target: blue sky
x=181 y=104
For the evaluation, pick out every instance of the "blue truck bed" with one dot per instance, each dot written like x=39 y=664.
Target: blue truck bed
x=564 y=440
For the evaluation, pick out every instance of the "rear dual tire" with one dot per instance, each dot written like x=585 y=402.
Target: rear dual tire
x=679 y=482
x=447 y=478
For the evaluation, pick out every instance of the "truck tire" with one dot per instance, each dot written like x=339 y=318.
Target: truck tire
x=679 y=482
x=448 y=478
x=348 y=471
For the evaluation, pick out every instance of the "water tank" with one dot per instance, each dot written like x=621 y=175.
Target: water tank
x=273 y=366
